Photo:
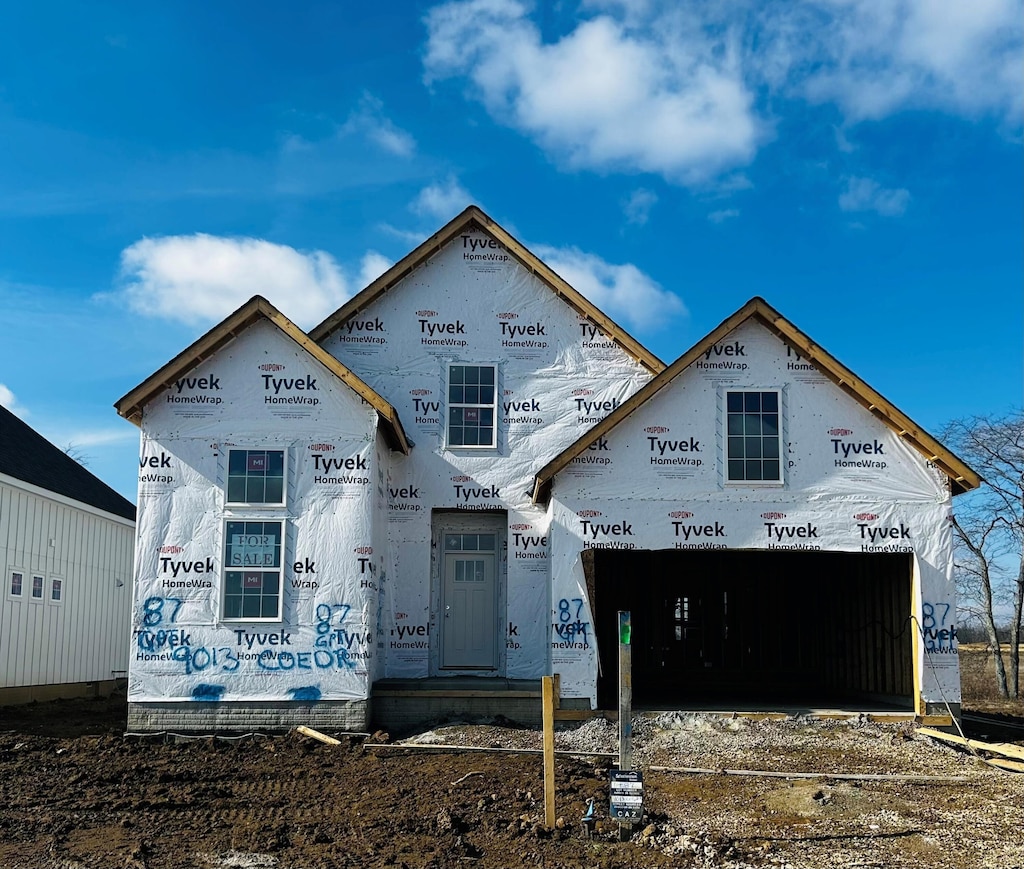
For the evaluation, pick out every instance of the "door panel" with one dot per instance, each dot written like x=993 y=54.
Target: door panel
x=469 y=638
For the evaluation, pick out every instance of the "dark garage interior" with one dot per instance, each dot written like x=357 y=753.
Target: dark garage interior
x=737 y=628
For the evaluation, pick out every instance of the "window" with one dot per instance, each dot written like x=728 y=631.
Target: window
x=255 y=477
x=17 y=583
x=252 y=569
x=754 y=437
x=56 y=590
x=472 y=406
x=37 y=588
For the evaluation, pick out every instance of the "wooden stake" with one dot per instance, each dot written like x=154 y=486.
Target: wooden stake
x=625 y=706
x=548 y=695
x=316 y=734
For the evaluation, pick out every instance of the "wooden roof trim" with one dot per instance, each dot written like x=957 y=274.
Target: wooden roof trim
x=962 y=477
x=474 y=216
x=130 y=405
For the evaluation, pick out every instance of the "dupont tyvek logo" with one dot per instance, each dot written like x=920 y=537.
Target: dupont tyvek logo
x=170 y=549
x=180 y=574
x=595 y=454
x=521 y=411
x=884 y=538
x=288 y=390
x=520 y=526
x=582 y=391
x=729 y=356
x=155 y=468
x=338 y=471
x=419 y=392
x=403 y=500
x=271 y=366
x=363 y=550
x=526 y=545
x=593 y=337
x=672 y=451
x=507 y=315
x=321 y=448
x=444 y=333
x=796 y=361
x=615 y=533
x=865 y=517
x=470 y=497
x=691 y=534
x=195 y=390
x=590 y=411
x=854 y=453
x=520 y=334
x=788 y=536
x=367 y=330
x=427 y=411
x=477 y=248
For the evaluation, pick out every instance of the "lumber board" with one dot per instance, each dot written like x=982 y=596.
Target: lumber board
x=316 y=734
x=1006 y=749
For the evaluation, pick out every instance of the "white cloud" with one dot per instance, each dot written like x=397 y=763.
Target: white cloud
x=372 y=267
x=638 y=206
x=441 y=201
x=623 y=292
x=866 y=194
x=8 y=400
x=199 y=279
x=686 y=91
x=670 y=99
x=369 y=120
x=723 y=215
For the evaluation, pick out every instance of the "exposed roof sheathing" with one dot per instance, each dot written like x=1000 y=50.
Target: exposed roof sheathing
x=474 y=218
x=27 y=456
x=962 y=478
x=257 y=308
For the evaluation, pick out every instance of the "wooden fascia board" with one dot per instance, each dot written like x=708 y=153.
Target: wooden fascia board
x=535 y=266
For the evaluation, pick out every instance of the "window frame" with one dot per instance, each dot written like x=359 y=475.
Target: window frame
x=21 y=574
x=779 y=392
x=256 y=505
x=493 y=406
x=63 y=589
x=278 y=569
x=32 y=597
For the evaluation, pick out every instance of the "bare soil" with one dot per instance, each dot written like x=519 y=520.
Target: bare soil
x=76 y=792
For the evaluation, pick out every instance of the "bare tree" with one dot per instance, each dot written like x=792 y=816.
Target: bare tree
x=77 y=453
x=989 y=530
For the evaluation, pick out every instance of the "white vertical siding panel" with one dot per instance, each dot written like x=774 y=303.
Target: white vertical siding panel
x=86 y=637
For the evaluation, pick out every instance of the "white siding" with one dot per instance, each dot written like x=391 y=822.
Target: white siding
x=84 y=638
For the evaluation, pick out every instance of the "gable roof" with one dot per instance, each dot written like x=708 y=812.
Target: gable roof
x=27 y=456
x=962 y=478
x=257 y=308
x=474 y=218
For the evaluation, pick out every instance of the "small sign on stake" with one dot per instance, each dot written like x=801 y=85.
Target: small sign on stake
x=627 y=795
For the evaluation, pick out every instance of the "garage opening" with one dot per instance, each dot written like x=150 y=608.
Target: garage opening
x=750 y=627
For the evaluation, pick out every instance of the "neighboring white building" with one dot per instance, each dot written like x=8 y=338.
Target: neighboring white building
x=468 y=469
x=66 y=542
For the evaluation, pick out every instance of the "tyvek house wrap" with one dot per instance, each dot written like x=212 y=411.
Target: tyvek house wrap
x=657 y=482
x=261 y=392
x=558 y=374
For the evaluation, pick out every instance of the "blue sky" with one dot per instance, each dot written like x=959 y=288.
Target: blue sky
x=855 y=162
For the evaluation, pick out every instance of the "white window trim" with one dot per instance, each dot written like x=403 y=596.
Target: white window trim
x=48 y=591
x=497 y=404
x=723 y=427
x=225 y=567
x=10 y=576
x=258 y=505
x=31 y=585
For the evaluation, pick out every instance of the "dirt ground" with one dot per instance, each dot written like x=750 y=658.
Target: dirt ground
x=76 y=792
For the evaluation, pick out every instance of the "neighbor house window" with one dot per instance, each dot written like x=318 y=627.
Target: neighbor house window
x=256 y=477
x=753 y=441
x=17 y=583
x=56 y=590
x=472 y=406
x=37 y=588
x=253 y=580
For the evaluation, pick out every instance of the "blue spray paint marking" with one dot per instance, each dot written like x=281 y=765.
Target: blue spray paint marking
x=207 y=692
x=310 y=693
x=937 y=637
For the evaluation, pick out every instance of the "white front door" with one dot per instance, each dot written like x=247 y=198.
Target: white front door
x=469 y=602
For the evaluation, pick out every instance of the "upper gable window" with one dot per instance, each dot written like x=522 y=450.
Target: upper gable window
x=256 y=477
x=472 y=406
x=753 y=453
